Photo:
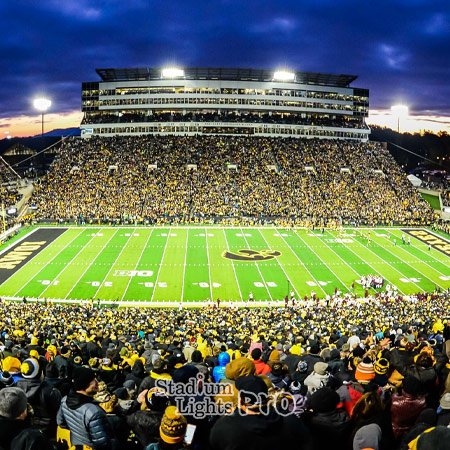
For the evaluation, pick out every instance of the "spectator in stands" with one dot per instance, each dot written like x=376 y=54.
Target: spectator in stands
x=219 y=371
x=86 y=421
x=261 y=367
x=172 y=430
x=406 y=406
x=444 y=410
x=330 y=426
x=249 y=428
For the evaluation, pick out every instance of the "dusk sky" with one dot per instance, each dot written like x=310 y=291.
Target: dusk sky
x=400 y=49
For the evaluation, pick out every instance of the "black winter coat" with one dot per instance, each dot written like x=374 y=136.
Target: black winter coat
x=17 y=435
x=259 y=432
x=330 y=430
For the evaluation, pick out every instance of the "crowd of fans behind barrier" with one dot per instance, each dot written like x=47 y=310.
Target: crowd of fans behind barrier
x=338 y=373
x=244 y=179
x=9 y=192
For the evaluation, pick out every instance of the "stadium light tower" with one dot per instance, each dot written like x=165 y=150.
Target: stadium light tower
x=42 y=104
x=400 y=112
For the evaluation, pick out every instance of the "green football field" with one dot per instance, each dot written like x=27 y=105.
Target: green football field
x=195 y=263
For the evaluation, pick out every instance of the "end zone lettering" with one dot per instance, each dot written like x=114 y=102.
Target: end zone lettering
x=21 y=252
x=429 y=238
x=13 y=258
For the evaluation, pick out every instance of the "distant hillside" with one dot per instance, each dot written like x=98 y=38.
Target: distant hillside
x=63 y=132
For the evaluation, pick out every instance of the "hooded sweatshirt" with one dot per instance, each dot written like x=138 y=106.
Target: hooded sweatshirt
x=219 y=371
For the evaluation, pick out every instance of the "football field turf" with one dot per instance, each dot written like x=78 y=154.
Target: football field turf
x=194 y=263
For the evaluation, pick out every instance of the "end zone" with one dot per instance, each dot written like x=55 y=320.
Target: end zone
x=429 y=238
x=26 y=249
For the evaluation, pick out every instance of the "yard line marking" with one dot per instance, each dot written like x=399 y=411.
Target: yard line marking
x=367 y=262
x=137 y=264
x=209 y=267
x=160 y=264
x=184 y=266
x=413 y=262
x=295 y=254
x=90 y=264
x=386 y=262
x=113 y=264
x=342 y=259
x=428 y=254
x=68 y=264
x=257 y=266
x=323 y=262
x=281 y=266
x=46 y=264
x=232 y=265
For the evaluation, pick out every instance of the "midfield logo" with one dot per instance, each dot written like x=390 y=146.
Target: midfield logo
x=251 y=255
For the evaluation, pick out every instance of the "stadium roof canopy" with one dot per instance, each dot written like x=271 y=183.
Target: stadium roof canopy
x=214 y=73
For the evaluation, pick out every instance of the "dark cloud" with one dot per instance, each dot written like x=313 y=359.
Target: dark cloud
x=399 y=48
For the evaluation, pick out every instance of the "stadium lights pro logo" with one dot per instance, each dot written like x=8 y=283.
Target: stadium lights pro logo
x=200 y=399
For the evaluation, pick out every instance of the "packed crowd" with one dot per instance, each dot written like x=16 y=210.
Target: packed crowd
x=341 y=375
x=189 y=179
x=445 y=196
x=9 y=194
x=442 y=226
x=199 y=116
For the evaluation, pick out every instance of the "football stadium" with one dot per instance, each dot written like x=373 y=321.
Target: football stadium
x=197 y=184
x=222 y=259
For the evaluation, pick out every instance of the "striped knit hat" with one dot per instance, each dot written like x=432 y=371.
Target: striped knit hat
x=381 y=366
x=364 y=371
x=173 y=426
x=30 y=368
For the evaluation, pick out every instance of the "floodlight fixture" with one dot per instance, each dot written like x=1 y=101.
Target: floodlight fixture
x=284 y=75
x=400 y=112
x=42 y=104
x=172 y=72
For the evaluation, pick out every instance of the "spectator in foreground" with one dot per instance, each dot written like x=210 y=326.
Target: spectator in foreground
x=15 y=430
x=86 y=421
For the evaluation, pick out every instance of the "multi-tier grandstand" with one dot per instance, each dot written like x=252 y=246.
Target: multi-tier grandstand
x=196 y=101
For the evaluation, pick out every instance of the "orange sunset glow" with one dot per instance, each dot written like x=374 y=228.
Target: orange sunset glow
x=25 y=126
x=31 y=125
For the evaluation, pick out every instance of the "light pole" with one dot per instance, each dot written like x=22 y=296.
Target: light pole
x=400 y=112
x=42 y=104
